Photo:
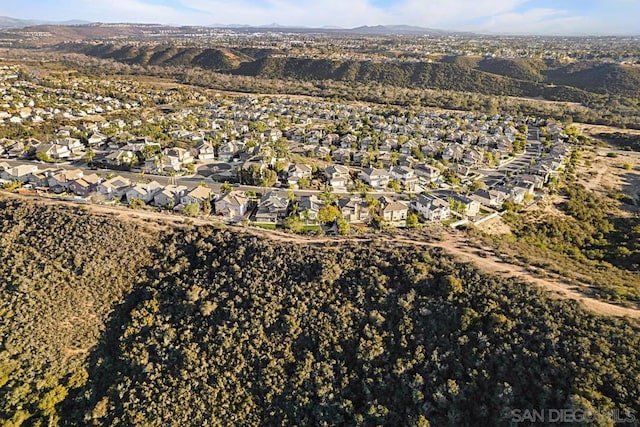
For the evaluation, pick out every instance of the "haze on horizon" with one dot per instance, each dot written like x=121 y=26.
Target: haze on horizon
x=545 y=17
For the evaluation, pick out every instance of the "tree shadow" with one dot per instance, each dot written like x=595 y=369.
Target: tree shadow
x=631 y=188
x=104 y=366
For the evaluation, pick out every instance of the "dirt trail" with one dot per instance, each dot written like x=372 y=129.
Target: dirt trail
x=454 y=243
x=495 y=265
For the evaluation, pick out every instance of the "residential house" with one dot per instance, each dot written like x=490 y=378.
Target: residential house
x=308 y=208
x=528 y=186
x=232 y=206
x=406 y=176
x=96 y=139
x=354 y=209
x=408 y=161
x=431 y=173
x=40 y=178
x=466 y=205
x=394 y=212
x=432 y=208
x=361 y=158
x=85 y=185
x=537 y=180
x=197 y=195
x=298 y=171
x=516 y=195
x=453 y=153
x=18 y=173
x=472 y=158
x=121 y=158
x=60 y=181
x=114 y=188
x=272 y=207
x=337 y=176
x=461 y=170
x=386 y=159
x=489 y=198
x=176 y=158
x=169 y=196
x=17 y=149
x=342 y=155
x=272 y=135
x=376 y=178
x=206 y=151
x=227 y=151
x=321 y=152
x=74 y=146
x=53 y=151
x=348 y=141
x=143 y=191
x=409 y=147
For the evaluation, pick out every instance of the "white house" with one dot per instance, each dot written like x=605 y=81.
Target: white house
x=431 y=207
x=233 y=205
x=337 y=176
x=377 y=178
x=144 y=192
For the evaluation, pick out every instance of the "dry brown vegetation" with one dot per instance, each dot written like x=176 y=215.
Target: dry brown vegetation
x=104 y=323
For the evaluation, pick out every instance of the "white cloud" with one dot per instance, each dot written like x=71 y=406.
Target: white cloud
x=534 y=21
x=447 y=13
x=350 y=13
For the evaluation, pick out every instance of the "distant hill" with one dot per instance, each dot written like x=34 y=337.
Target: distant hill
x=165 y=55
x=416 y=74
x=397 y=29
x=7 y=22
x=597 y=77
x=526 y=77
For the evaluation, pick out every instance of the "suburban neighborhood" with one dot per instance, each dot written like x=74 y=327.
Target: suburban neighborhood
x=275 y=161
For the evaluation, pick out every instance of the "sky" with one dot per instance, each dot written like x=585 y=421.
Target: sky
x=555 y=17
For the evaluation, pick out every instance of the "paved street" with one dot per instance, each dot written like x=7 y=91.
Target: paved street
x=518 y=164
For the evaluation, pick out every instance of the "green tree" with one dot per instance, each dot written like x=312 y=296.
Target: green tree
x=394 y=185
x=293 y=223
x=54 y=396
x=136 y=203
x=226 y=187
x=343 y=226
x=12 y=186
x=44 y=157
x=328 y=213
x=304 y=183
x=327 y=197
x=269 y=178
x=206 y=206
x=191 y=209
x=89 y=156
x=412 y=220
x=477 y=185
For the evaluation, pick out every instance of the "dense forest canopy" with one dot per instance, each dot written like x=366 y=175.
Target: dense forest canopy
x=131 y=325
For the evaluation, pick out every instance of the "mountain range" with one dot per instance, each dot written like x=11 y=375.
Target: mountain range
x=7 y=22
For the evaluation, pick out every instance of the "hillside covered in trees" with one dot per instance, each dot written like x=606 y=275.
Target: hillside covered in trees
x=489 y=76
x=109 y=323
